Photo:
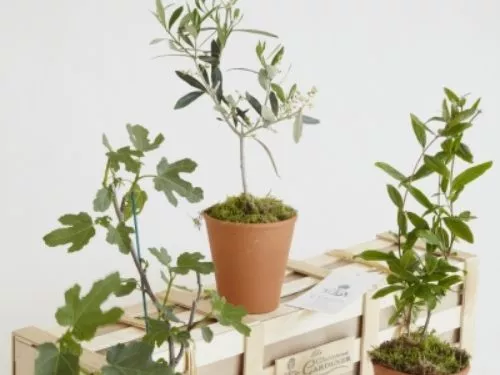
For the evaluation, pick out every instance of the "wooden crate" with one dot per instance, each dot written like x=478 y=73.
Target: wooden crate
x=288 y=331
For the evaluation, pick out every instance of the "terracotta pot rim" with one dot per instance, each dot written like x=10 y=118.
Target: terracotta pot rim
x=260 y=225
x=382 y=366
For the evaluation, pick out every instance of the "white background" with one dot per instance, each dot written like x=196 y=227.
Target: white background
x=71 y=70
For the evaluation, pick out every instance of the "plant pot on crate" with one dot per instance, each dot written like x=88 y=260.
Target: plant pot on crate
x=250 y=257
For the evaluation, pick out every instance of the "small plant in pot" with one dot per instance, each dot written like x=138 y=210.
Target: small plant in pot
x=117 y=205
x=250 y=237
x=422 y=280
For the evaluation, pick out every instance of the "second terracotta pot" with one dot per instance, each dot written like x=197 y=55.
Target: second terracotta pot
x=250 y=261
x=381 y=370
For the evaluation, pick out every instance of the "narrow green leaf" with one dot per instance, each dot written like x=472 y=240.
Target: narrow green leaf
x=207 y=334
x=279 y=55
x=419 y=196
x=269 y=154
x=429 y=237
x=293 y=91
x=279 y=92
x=436 y=165
x=175 y=16
x=465 y=153
x=375 y=255
x=298 y=126
x=395 y=196
x=455 y=130
x=274 y=103
x=169 y=182
x=217 y=81
x=387 y=290
x=461 y=117
x=258 y=32
x=391 y=171
x=254 y=103
x=417 y=221
x=431 y=263
x=190 y=80
x=102 y=200
x=470 y=175
x=160 y=13
x=452 y=97
x=158 y=40
x=444 y=184
x=421 y=172
x=459 y=228
x=188 y=99
x=450 y=281
x=445 y=112
x=408 y=259
x=310 y=120
x=78 y=231
x=419 y=129
x=402 y=222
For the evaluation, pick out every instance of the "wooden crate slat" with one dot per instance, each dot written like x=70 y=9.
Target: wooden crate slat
x=253 y=360
x=469 y=304
x=371 y=327
x=307 y=269
x=348 y=256
x=33 y=336
x=290 y=323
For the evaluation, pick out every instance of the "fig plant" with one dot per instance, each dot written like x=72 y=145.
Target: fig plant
x=422 y=281
x=201 y=31
x=117 y=204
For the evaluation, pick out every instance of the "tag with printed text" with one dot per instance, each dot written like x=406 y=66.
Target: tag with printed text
x=330 y=359
x=340 y=288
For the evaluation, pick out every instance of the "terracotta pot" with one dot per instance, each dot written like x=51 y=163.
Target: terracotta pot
x=250 y=261
x=381 y=370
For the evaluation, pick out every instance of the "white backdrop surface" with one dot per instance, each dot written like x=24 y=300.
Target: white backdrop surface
x=71 y=70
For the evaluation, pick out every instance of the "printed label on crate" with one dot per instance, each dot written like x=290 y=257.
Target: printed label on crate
x=340 y=288
x=330 y=359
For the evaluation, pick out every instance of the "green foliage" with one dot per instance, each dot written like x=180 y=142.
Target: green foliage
x=134 y=359
x=415 y=355
x=421 y=281
x=83 y=315
x=251 y=210
x=169 y=182
x=228 y=315
x=78 y=231
x=201 y=31
x=191 y=262
x=51 y=361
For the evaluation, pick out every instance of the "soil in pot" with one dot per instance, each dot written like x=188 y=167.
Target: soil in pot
x=414 y=355
x=250 y=241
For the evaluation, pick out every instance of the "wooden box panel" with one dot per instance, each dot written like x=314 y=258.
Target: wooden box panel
x=286 y=331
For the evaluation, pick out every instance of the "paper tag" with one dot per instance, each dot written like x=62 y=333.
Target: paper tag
x=342 y=287
x=329 y=359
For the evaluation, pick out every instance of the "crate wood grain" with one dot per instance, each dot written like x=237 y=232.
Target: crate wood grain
x=286 y=331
